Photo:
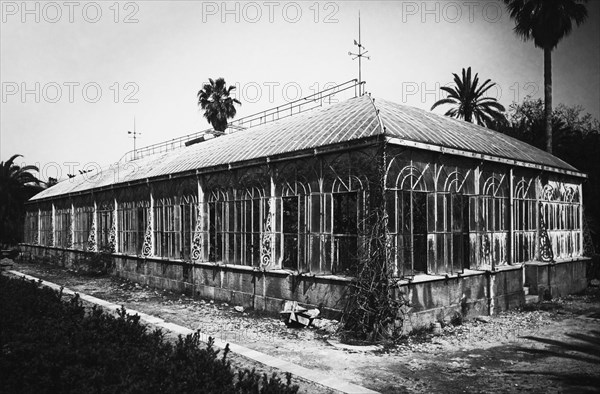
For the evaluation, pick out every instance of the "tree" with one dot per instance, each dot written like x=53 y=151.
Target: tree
x=468 y=100
x=218 y=105
x=547 y=22
x=17 y=185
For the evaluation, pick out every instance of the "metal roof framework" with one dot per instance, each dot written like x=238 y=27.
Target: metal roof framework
x=359 y=121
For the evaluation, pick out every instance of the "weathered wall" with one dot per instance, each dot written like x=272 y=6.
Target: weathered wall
x=557 y=279
x=261 y=290
x=471 y=295
x=431 y=298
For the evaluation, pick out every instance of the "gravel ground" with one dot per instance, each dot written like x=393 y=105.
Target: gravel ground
x=548 y=347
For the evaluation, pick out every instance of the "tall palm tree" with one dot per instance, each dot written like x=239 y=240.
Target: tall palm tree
x=468 y=100
x=17 y=185
x=546 y=22
x=218 y=105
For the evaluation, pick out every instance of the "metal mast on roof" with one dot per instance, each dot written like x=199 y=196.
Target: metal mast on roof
x=359 y=55
x=135 y=134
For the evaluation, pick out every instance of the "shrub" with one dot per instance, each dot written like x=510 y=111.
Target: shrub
x=94 y=263
x=51 y=345
x=457 y=319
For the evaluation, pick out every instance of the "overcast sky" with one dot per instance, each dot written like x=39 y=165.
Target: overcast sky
x=75 y=74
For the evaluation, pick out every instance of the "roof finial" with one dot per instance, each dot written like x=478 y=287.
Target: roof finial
x=135 y=137
x=359 y=56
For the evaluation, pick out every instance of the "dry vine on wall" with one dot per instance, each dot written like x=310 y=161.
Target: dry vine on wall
x=374 y=306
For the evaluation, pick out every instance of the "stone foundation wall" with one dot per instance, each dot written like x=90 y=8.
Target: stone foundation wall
x=261 y=290
x=430 y=298
x=557 y=279
x=471 y=294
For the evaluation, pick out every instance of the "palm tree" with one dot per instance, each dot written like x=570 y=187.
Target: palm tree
x=546 y=22
x=467 y=98
x=214 y=98
x=17 y=185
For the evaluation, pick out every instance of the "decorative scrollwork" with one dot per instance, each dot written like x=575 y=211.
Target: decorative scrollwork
x=570 y=195
x=69 y=241
x=546 y=253
x=549 y=193
x=197 y=240
x=50 y=239
x=266 y=240
x=147 y=248
x=92 y=246
x=112 y=237
x=486 y=247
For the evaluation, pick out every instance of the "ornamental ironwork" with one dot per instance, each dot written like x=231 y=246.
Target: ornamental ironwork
x=69 y=241
x=266 y=242
x=147 y=248
x=112 y=237
x=197 y=240
x=546 y=253
x=92 y=246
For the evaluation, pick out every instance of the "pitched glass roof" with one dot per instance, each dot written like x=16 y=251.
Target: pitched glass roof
x=351 y=120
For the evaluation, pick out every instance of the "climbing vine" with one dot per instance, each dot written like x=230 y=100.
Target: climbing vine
x=373 y=310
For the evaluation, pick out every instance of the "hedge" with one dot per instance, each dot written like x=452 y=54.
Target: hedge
x=51 y=345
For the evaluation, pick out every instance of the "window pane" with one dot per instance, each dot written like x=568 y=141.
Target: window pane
x=345 y=213
x=290 y=232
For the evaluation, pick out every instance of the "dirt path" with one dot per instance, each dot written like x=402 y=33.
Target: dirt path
x=551 y=347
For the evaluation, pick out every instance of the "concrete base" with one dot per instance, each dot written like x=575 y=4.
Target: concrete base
x=236 y=285
x=470 y=294
x=549 y=280
x=430 y=298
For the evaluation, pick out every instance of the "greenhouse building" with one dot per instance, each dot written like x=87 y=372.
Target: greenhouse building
x=282 y=211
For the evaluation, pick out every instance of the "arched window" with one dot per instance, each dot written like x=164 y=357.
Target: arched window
x=524 y=214
x=561 y=212
x=63 y=227
x=243 y=227
x=174 y=220
x=132 y=222
x=217 y=204
x=46 y=228
x=83 y=225
x=492 y=221
x=344 y=215
x=31 y=227
x=235 y=222
x=407 y=207
x=295 y=217
x=167 y=228
x=451 y=252
x=104 y=222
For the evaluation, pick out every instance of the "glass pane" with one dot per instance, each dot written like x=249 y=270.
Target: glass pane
x=315 y=213
x=315 y=253
x=290 y=251
x=419 y=206
x=290 y=214
x=431 y=212
x=327 y=212
x=290 y=232
x=346 y=253
x=440 y=213
x=391 y=210
x=345 y=213
x=404 y=204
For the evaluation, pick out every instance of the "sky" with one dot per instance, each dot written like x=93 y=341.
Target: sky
x=75 y=74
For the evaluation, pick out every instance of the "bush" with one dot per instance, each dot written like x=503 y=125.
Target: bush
x=457 y=319
x=94 y=263
x=50 y=345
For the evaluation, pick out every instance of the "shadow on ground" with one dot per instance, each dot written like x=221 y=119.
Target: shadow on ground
x=580 y=347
